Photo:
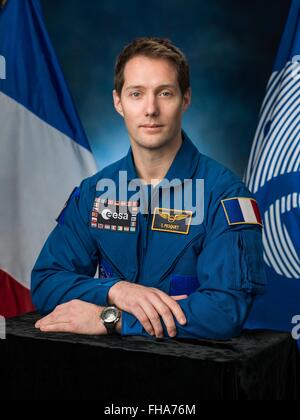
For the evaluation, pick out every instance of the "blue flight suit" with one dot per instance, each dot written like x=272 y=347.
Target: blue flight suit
x=218 y=264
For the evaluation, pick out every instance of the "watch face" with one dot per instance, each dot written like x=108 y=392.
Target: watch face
x=109 y=315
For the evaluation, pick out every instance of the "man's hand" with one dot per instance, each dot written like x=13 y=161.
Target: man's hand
x=148 y=304
x=75 y=316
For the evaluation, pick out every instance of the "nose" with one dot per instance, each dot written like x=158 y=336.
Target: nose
x=151 y=106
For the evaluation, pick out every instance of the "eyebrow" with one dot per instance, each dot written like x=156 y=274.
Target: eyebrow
x=158 y=87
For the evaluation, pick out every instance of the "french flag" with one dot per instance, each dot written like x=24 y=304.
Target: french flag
x=44 y=151
x=241 y=210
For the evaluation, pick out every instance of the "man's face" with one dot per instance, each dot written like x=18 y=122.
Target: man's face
x=151 y=101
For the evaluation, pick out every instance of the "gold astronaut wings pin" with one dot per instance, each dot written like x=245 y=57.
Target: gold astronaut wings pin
x=171 y=220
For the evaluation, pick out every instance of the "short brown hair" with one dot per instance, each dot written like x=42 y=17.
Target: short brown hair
x=154 y=48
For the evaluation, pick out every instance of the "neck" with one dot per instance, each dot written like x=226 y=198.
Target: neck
x=152 y=165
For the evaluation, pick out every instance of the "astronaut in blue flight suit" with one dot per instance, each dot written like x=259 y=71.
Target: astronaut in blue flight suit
x=163 y=272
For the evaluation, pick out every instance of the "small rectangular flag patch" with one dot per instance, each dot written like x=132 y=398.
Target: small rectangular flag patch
x=241 y=210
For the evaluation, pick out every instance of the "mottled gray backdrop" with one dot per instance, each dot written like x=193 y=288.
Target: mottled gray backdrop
x=231 y=46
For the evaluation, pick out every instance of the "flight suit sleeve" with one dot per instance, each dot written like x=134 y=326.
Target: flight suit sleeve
x=230 y=272
x=67 y=264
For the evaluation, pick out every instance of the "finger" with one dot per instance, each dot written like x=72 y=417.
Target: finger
x=154 y=317
x=58 y=327
x=53 y=319
x=37 y=324
x=56 y=311
x=179 y=297
x=43 y=320
x=167 y=316
x=140 y=314
x=174 y=306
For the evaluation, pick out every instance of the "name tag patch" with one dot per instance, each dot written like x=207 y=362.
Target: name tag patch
x=118 y=216
x=171 y=220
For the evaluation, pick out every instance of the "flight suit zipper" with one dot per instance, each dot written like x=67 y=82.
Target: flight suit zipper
x=144 y=233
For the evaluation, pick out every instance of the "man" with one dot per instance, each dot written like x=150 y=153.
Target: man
x=165 y=269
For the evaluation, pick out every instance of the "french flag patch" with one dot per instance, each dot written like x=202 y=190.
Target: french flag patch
x=241 y=210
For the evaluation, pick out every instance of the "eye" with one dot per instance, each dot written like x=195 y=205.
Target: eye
x=134 y=94
x=166 y=93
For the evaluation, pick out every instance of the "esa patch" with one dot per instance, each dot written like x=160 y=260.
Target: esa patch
x=171 y=220
x=118 y=216
x=241 y=210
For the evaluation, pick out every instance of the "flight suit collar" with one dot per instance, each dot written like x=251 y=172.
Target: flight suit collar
x=183 y=166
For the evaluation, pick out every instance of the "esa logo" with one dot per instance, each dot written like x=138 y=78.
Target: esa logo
x=107 y=214
x=296 y=329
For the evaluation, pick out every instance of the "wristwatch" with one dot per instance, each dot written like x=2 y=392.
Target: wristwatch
x=110 y=316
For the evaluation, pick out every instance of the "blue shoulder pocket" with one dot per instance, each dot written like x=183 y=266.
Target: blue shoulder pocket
x=247 y=270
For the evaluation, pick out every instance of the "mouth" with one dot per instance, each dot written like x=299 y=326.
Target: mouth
x=152 y=127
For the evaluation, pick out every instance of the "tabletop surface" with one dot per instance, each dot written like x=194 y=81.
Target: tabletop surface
x=241 y=349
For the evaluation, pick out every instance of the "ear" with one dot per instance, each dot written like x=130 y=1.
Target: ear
x=186 y=100
x=117 y=103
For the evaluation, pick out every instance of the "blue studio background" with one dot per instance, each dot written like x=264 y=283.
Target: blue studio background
x=231 y=47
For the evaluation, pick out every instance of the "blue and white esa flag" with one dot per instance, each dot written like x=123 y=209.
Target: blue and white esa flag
x=44 y=152
x=273 y=175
